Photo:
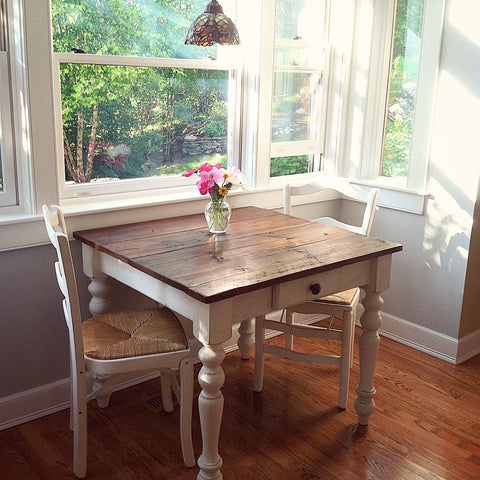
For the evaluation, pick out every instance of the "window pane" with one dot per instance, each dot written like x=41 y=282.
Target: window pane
x=143 y=28
x=300 y=19
x=296 y=54
x=292 y=104
x=130 y=122
x=402 y=87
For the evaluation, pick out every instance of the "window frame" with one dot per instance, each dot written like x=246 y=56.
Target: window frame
x=251 y=78
x=17 y=162
x=267 y=148
x=76 y=193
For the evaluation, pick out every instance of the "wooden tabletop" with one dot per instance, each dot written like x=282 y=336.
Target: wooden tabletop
x=261 y=248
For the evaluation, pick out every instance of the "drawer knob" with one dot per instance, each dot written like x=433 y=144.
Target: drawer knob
x=315 y=288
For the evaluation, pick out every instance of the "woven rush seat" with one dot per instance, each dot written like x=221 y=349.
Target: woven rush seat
x=133 y=334
x=341 y=298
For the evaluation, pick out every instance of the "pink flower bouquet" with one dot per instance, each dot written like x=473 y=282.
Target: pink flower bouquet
x=217 y=182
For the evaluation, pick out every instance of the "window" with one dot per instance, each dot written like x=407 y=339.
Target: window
x=136 y=103
x=297 y=86
x=295 y=107
x=392 y=97
x=15 y=181
x=402 y=87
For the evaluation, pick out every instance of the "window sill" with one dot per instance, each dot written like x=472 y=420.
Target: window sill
x=23 y=231
x=395 y=196
x=84 y=213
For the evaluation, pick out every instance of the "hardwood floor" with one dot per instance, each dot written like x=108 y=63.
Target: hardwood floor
x=426 y=426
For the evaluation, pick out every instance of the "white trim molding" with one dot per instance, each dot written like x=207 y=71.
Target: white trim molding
x=450 y=349
x=47 y=399
x=35 y=403
x=419 y=337
x=468 y=346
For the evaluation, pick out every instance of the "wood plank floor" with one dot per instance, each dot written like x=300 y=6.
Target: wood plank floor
x=426 y=426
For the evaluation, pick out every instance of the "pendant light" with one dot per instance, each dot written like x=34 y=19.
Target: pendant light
x=211 y=27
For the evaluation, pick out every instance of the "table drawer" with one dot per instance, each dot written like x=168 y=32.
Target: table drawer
x=319 y=285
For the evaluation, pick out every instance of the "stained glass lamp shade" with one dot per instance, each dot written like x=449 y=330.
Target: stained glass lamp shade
x=211 y=27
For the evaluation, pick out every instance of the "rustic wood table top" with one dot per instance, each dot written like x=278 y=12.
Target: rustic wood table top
x=261 y=248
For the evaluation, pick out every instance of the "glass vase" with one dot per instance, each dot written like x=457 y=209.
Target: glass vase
x=217 y=215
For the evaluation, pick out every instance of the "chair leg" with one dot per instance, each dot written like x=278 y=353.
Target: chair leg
x=259 y=341
x=166 y=387
x=288 y=336
x=79 y=418
x=346 y=359
x=186 y=405
x=354 y=317
x=104 y=388
x=72 y=394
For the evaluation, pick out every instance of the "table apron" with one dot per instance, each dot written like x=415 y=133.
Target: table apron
x=212 y=322
x=299 y=290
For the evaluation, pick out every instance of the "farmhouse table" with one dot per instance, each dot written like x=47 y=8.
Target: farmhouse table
x=265 y=262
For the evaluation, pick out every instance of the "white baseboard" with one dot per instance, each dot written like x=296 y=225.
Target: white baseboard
x=450 y=349
x=418 y=337
x=47 y=399
x=468 y=346
x=35 y=403
x=38 y=402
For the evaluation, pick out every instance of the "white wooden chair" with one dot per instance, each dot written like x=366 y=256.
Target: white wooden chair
x=341 y=305
x=118 y=343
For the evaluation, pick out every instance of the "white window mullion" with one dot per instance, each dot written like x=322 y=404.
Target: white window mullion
x=85 y=59
x=379 y=46
x=265 y=90
x=301 y=147
x=340 y=34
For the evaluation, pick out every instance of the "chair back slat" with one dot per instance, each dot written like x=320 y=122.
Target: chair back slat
x=346 y=190
x=61 y=280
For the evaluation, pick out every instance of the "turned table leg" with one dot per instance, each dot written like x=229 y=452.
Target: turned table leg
x=369 y=343
x=98 y=288
x=210 y=405
x=245 y=340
